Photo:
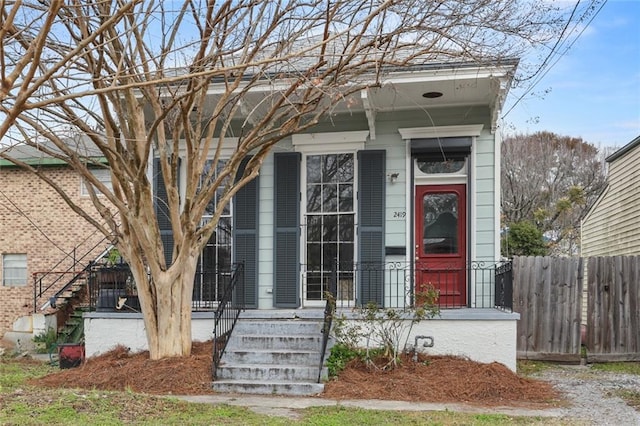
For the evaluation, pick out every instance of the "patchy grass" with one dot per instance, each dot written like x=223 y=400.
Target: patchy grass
x=630 y=397
x=24 y=402
x=619 y=367
x=338 y=416
x=15 y=371
x=529 y=368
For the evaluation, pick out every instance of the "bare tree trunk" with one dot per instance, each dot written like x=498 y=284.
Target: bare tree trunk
x=165 y=301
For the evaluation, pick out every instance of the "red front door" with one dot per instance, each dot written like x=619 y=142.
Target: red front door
x=441 y=242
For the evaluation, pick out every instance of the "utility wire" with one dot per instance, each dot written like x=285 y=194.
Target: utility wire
x=558 y=57
x=22 y=213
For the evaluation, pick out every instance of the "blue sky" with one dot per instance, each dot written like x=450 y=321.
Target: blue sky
x=594 y=88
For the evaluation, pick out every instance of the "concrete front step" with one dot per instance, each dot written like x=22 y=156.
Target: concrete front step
x=269 y=372
x=261 y=341
x=278 y=327
x=268 y=388
x=271 y=356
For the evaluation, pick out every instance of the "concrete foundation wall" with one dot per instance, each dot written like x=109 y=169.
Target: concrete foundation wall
x=105 y=331
x=482 y=335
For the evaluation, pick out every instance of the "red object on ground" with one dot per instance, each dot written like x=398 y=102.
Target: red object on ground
x=70 y=354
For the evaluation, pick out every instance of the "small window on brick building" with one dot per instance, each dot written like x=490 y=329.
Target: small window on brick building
x=14 y=270
x=103 y=175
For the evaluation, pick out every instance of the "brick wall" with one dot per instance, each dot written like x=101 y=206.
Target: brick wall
x=34 y=220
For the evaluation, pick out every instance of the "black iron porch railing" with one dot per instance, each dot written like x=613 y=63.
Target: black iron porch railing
x=112 y=287
x=487 y=285
x=227 y=313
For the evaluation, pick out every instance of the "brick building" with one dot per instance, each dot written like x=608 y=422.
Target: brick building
x=39 y=233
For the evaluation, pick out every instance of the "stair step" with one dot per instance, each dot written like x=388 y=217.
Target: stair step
x=271 y=356
x=267 y=388
x=261 y=341
x=269 y=372
x=278 y=327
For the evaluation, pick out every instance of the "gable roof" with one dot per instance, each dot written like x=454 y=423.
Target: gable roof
x=624 y=150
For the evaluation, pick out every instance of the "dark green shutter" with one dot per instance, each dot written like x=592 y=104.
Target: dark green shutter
x=245 y=238
x=162 y=211
x=371 y=213
x=286 y=292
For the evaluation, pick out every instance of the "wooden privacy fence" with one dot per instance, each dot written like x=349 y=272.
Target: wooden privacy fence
x=547 y=293
x=550 y=294
x=613 y=320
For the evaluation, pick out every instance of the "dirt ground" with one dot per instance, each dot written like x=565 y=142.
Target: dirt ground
x=431 y=379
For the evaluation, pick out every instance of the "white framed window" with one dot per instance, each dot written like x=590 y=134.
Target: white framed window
x=102 y=175
x=215 y=263
x=330 y=223
x=14 y=270
x=329 y=171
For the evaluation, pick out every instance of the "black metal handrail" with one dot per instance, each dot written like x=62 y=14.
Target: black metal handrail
x=40 y=289
x=227 y=313
x=329 y=310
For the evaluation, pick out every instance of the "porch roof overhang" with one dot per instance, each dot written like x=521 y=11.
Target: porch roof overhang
x=419 y=87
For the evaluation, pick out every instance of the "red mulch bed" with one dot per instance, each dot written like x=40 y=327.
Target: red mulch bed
x=120 y=370
x=431 y=379
x=440 y=379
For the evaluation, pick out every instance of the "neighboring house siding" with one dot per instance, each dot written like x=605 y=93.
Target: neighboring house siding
x=612 y=227
x=34 y=220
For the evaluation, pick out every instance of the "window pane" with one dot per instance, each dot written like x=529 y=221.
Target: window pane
x=346 y=256
x=314 y=286
x=314 y=228
x=330 y=228
x=330 y=168
x=346 y=197
x=224 y=231
x=440 y=223
x=329 y=255
x=313 y=256
x=345 y=226
x=102 y=175
x=438 y=167
x=313 y=169
x=14 y=269
x=345 y=173
x=330 y=198
x=313 y=198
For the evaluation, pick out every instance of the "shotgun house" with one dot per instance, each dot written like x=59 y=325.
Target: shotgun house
x=396 y=191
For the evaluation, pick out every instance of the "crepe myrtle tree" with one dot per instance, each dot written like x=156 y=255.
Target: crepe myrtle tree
x=128 y=81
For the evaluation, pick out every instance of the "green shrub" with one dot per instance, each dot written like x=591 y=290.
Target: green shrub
x=48 y=339
x=340 y=355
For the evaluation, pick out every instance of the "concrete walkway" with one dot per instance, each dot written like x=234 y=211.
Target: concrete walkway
x=287 y=406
